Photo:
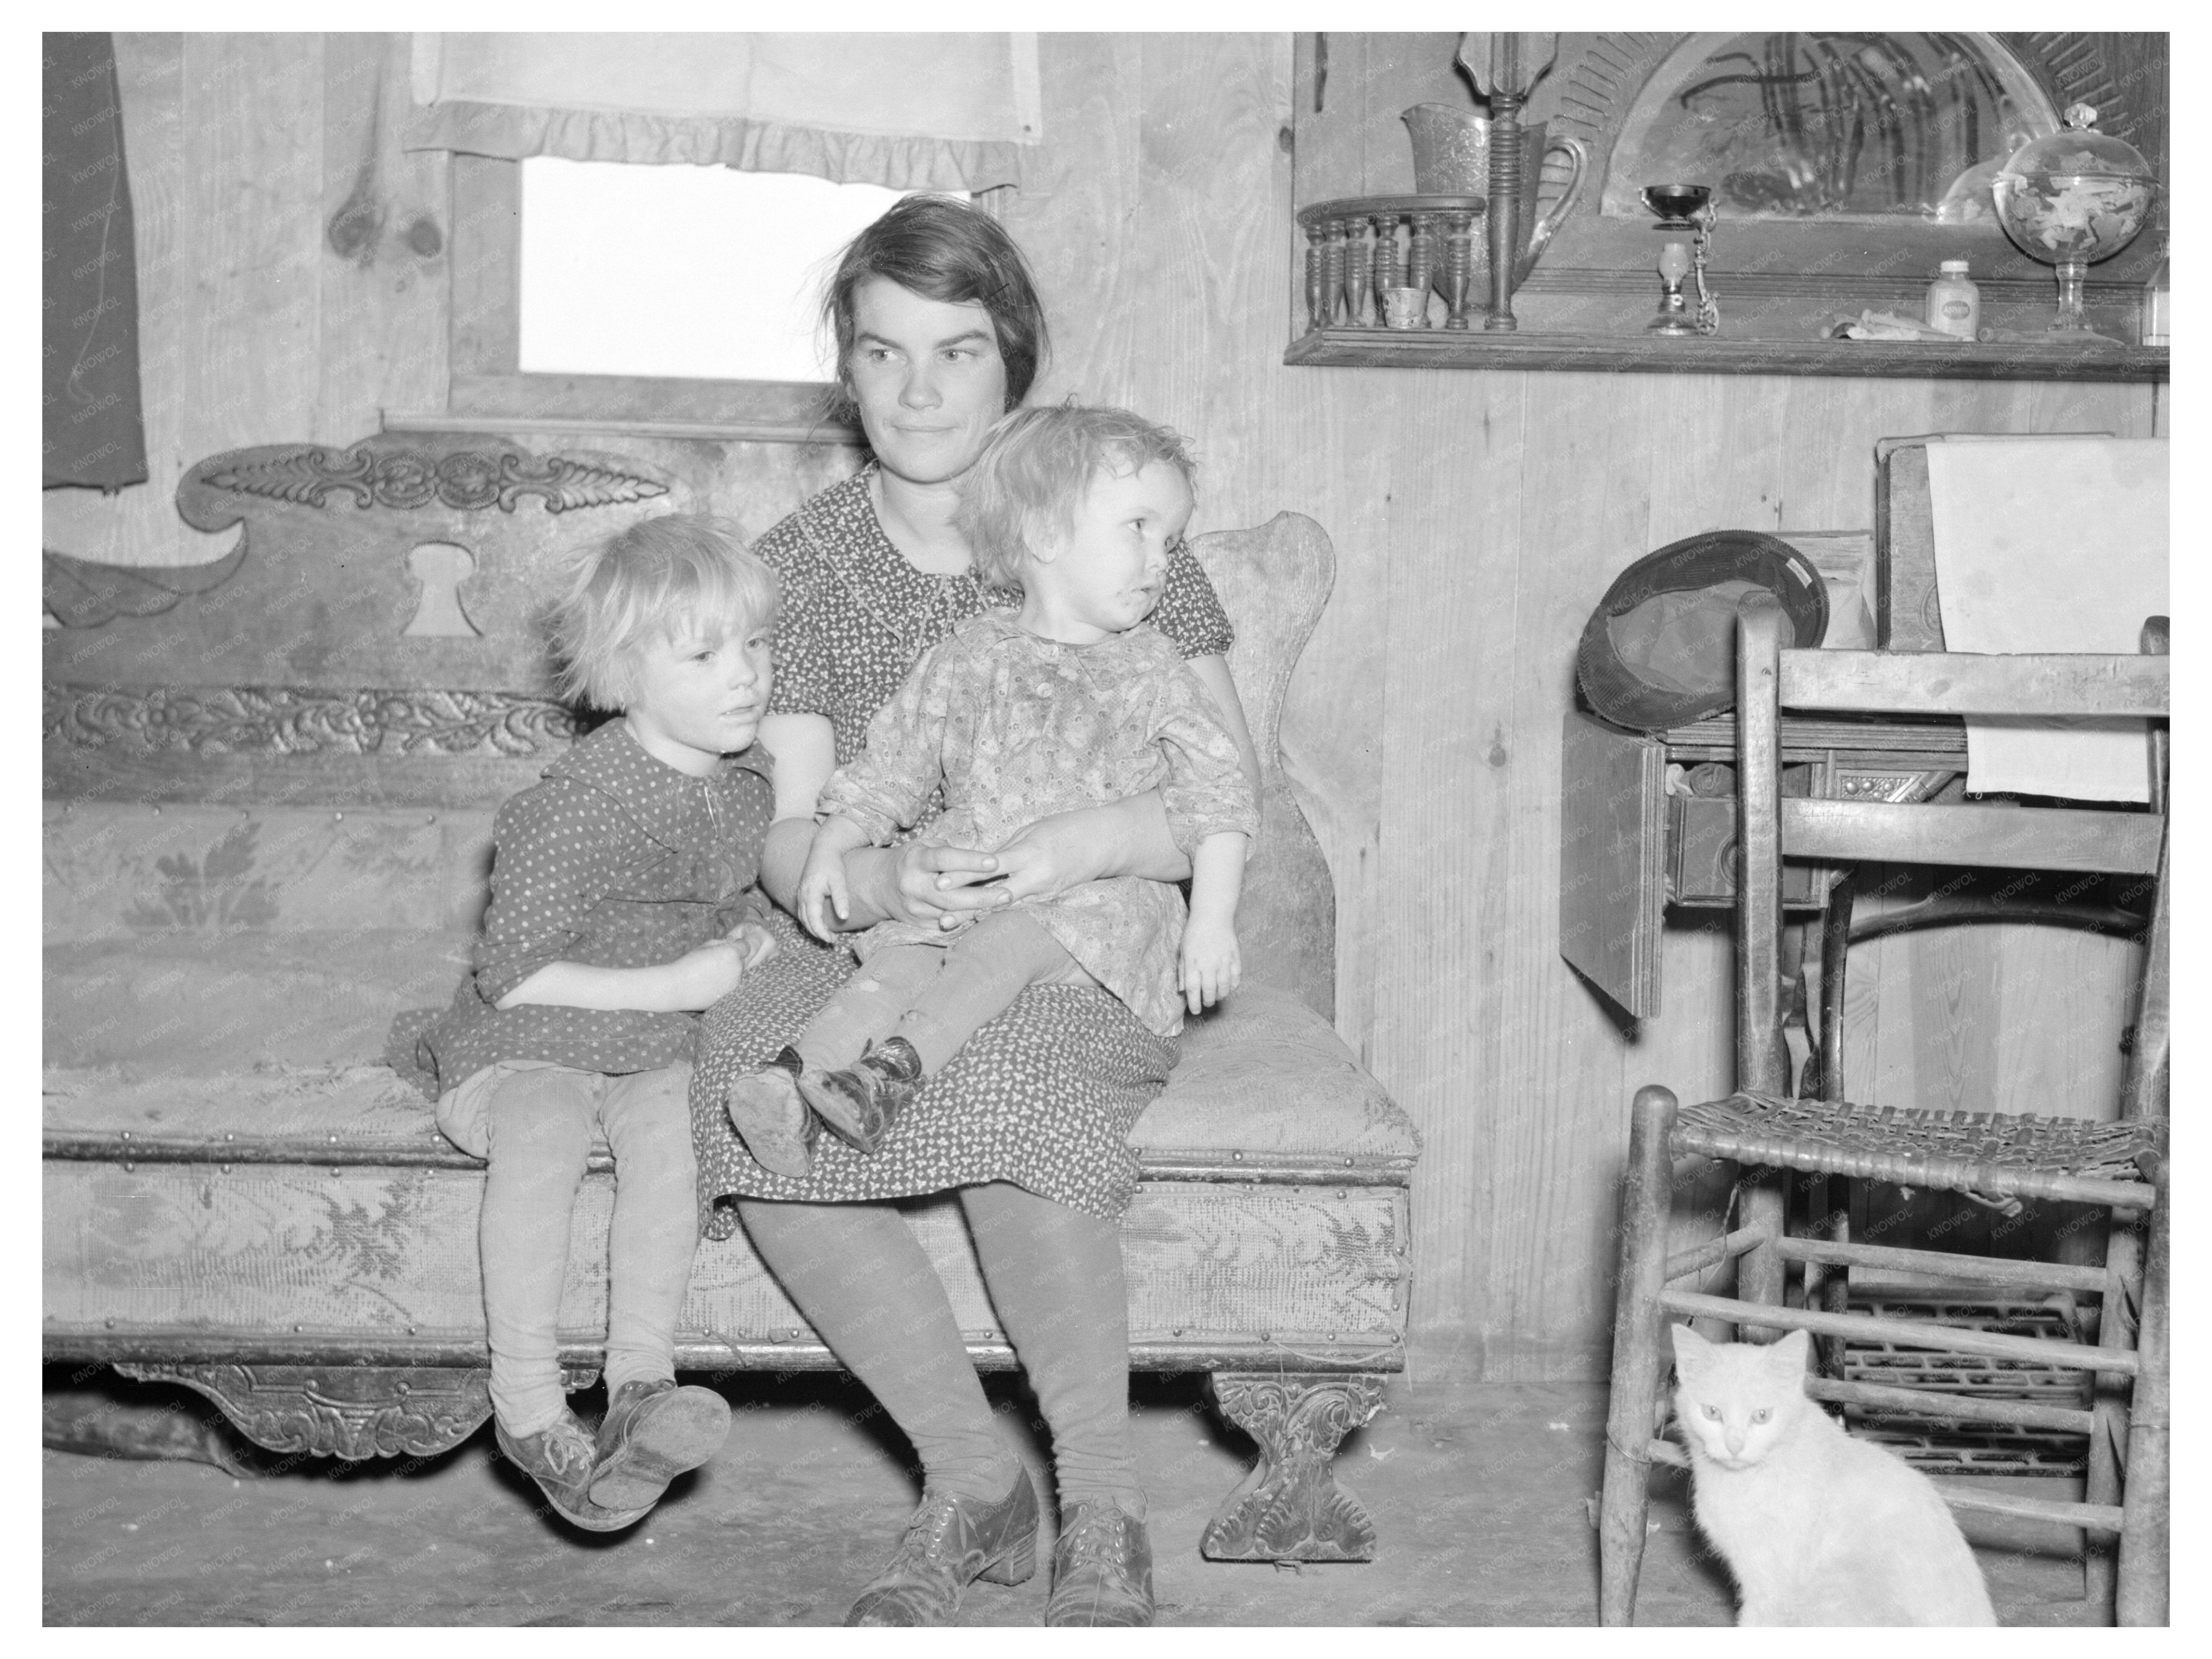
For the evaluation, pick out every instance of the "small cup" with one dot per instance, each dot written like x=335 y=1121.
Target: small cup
x=1405 y=307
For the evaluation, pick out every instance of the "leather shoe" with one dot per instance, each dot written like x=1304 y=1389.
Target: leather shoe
x=861 y=1103
x=951 y=1541
x=653 y=1432
x=561 y=1459
x=769 y=1117
x=1102 y=1567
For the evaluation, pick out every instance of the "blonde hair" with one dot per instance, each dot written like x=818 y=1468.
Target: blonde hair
x=1034 y=468
x=643 y=583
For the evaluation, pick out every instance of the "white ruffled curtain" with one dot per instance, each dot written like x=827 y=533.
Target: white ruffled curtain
x=909 y=111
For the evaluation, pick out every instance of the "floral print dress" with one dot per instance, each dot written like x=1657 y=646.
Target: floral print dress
x=1044 y=1096
x=1018 y=728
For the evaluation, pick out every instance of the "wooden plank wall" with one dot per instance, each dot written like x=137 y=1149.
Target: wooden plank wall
x=293 y=281
x=292 y=268
x=1477 y=519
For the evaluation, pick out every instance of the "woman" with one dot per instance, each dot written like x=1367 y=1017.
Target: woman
x=939 y=332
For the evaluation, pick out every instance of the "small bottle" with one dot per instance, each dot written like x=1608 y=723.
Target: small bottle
x=1954 y=304
x=2157 y=301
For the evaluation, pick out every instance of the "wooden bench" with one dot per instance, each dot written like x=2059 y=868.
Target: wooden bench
x=270 y=785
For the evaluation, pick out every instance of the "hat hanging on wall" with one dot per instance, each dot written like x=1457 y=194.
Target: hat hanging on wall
x=1660 y=649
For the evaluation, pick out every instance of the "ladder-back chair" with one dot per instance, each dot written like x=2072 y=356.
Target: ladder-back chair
x=2120 y=1165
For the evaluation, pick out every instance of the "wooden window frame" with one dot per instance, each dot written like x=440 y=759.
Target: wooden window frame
x=489 y=389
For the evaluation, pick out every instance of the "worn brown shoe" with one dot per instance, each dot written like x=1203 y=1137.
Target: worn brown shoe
x=769 y=1117
x=1102 y=1567
x=653 y=1432
x=951 y=1541
x=861 y=1102
x=561 y=1459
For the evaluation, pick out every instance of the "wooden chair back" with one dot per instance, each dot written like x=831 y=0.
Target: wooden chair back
x=2123 y=841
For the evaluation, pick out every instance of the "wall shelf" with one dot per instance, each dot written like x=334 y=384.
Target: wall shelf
x=1375 y=347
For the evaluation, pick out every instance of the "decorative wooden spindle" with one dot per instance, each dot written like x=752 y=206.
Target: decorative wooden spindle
x=1332 y=271
x=1359 y=270
x=1387 y=267
x=1313 y=279
x=1421 y=253
x=1355 y=256
x=1459 y=266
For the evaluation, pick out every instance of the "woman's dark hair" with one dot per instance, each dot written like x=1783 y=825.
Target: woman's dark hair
x=943 y=249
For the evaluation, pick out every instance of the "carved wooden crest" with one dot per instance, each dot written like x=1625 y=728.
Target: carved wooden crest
x=469 y=480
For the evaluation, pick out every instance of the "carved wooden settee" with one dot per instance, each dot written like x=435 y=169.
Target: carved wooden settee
x=270 y=785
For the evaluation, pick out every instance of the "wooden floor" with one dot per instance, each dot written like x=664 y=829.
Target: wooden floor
x=1479 y=1493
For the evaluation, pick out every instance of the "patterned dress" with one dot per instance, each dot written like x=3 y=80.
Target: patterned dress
x=1045 y=1095
x=1019 y=728
x=616 y=860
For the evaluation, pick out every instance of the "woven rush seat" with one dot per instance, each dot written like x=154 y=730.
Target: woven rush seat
x=1993 y=1153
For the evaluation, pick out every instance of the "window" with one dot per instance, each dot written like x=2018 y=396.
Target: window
x=662 y=273
x=694 y=272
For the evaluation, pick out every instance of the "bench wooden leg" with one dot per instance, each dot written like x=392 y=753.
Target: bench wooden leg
x=339 y=1410
x=1290 y=1508
x=99 y=1426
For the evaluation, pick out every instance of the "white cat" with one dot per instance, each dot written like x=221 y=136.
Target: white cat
x=1817 y=1527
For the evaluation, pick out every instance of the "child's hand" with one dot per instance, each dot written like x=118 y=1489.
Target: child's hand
x=704 y=977
x=822 y=881
x=756 y=945
x=1211 y=964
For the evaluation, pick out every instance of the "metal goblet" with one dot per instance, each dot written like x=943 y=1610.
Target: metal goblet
x=1691 y=205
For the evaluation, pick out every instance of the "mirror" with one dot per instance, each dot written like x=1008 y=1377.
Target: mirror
x=1844 y=128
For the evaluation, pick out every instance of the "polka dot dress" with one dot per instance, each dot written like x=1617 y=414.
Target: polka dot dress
x=616 y=860
x=1043 y=1097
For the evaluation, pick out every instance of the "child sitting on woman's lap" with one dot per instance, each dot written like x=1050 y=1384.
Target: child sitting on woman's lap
x=622 y=903
x=1071 y=700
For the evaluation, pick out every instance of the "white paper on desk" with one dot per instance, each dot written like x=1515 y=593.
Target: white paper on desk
x=2051 y=545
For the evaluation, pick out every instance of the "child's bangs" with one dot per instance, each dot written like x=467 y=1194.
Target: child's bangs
x=714 y=599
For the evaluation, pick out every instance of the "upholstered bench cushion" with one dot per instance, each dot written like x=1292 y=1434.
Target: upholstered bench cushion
x=1264 y=1076
x=1263 y=1082
x=210 y=971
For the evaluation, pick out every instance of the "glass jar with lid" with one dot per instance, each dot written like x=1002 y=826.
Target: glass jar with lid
x=2071 y=198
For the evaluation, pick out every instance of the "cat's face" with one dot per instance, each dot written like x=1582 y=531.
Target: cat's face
x=1736 y=1399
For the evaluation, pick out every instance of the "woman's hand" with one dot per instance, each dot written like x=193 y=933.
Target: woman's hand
x=1051 y=855
x=1091 y=843
x=929 y=883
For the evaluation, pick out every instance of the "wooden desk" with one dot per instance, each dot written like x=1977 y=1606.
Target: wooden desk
x=1630 y=845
